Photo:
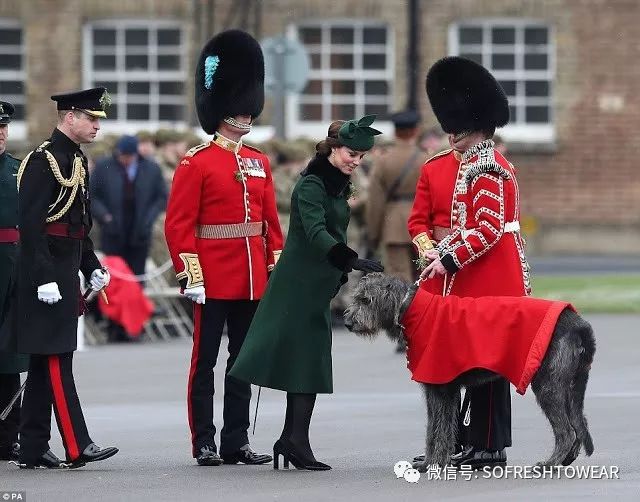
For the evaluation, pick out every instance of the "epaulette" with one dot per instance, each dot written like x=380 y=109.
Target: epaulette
x=42 y=147
x=439 y=154
x=252 y=148
x=197 y=148
x=476 y=170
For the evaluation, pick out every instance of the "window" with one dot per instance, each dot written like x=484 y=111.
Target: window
x=521 y=55
x=12 y=74
x=142 y=64
x=351 y=73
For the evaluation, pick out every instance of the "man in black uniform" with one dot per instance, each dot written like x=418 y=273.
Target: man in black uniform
x=11 y=364
x=54 y=223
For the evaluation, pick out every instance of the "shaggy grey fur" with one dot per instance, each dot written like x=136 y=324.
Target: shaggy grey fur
x=559 y=384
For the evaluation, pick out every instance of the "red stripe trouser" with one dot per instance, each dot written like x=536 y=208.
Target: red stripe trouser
x=50 y=383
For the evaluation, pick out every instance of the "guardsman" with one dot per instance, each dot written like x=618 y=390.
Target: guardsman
x=392 y=188
x=224 y=237
x=467 y=204
x=11 y=364
x=54 y=222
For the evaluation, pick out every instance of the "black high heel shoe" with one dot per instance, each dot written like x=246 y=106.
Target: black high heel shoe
x=289 y=453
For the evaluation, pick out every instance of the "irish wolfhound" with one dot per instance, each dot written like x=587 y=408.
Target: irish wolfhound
x=559 y=384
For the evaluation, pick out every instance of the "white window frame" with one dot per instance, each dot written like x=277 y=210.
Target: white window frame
x=17 y=128
x=317 y=129
x=122 y=125
x=517 y=132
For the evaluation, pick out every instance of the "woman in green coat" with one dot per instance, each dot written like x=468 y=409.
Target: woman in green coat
x=288 y=346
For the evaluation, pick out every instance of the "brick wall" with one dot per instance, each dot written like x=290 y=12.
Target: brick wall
x=584 y=195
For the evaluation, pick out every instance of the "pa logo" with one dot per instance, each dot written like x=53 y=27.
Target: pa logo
x=404 y=469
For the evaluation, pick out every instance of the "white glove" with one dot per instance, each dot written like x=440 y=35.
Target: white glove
x=49 y=293
x=100 y=279
x=196 y=294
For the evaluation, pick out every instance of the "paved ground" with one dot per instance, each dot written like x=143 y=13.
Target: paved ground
x=134 y=397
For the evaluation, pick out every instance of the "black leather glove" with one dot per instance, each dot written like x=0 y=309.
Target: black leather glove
x=366 y=266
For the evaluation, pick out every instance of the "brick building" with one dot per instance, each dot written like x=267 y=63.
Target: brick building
x=569 y=68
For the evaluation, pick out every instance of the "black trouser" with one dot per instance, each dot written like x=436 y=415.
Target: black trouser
x=485 y=417
x=50 y=382
x=209 y=320
x=9 y=385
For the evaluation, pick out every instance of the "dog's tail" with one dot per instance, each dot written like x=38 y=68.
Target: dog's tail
x=588 y=350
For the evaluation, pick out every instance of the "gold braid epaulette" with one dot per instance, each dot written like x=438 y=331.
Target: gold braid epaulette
x=76 y=179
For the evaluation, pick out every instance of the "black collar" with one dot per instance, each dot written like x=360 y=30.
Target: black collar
x=63 y=142
x=334 y=180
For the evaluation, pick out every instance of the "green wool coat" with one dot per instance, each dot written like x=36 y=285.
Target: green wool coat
x=288 y=345
x=9 y=361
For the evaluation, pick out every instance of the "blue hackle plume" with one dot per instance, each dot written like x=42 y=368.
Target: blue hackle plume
x=210 y=67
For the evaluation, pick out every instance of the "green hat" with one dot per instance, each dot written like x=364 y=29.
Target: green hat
x=357 y=135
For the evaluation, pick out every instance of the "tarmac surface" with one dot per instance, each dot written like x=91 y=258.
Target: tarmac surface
x=134 y=397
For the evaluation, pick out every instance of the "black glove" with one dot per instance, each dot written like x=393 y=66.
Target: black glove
x=346 y=259
x=366 y=266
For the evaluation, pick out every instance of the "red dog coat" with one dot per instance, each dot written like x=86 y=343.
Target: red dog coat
x=448 y=335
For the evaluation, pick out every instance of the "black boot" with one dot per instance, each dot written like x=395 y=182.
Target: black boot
x=294 y=444
x=289 y=453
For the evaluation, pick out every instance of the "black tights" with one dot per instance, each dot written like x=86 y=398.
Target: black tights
x=297 y=421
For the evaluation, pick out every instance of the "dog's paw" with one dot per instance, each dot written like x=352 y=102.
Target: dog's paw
x=420 y=466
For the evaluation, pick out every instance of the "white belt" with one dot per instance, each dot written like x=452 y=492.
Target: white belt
x=509 y=227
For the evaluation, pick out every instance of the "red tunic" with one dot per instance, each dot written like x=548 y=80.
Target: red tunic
x=447 y=336
x=215 y=185
x=484 y=252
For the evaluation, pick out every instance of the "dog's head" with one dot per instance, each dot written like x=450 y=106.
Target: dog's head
x=376 y=305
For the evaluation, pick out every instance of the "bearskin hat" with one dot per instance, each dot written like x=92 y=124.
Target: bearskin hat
x=229 y=79
x=465 y=97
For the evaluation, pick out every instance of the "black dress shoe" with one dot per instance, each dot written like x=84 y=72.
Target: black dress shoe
x=93 y=453
x=10 y=452
x=47 y=461
x=289 y=453
x=246 y=456
x=208 y=456
x=478 y=458
x=457 y=449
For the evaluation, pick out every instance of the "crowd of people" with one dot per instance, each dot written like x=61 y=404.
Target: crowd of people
x=349 y=207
